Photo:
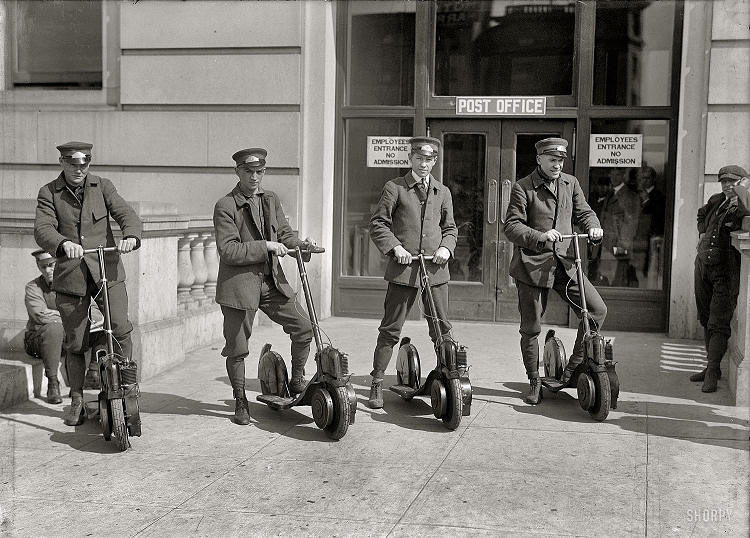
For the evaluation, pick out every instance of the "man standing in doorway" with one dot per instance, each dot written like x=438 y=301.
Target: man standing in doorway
x=543 y=207
x=717 y=270
x=414 y=216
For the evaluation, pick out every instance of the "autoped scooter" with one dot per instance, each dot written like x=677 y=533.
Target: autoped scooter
x=595 y=378
x=119 y=413
x=448 y=383
x=329 y=392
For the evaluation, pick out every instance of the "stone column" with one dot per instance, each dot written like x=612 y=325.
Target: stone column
x=185 y=268
x=212 y=263
x=199 y=267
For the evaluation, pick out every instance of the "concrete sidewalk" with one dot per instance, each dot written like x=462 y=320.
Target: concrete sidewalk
x=669 y=461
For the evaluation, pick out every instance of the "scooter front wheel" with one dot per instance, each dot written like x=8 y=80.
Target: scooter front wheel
x=119 y=428
x=341 y=414
x=455 y=408
x=602 y=397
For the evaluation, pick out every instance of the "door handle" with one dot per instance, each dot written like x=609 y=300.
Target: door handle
x=492 y=202
x=505 y=187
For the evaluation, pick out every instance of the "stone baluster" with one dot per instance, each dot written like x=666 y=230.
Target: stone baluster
x=212 y=263
x=199 y=267
x=184 y=268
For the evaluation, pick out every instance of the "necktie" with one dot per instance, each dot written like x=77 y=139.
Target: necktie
x=423 y=188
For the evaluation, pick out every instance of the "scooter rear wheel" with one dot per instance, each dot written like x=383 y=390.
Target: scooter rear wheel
x=119 y=428
x=455 y=408
x=602 y=397
x=341 y=414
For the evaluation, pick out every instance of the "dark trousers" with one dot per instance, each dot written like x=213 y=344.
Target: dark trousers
x=532 y=302
x=74 y=311
x=716 y=291
x=46 y=343
x=238 y=326
x=398 y=302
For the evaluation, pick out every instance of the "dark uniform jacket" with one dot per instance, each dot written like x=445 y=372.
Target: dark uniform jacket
x=534 y=210
x=243 y=254
x=397 y=220
x=61 y=217
x=40 y=304
x=620 y=220
x=716 y=220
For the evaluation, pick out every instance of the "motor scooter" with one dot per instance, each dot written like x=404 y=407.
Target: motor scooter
x=595 y=378
x=448 y=383
x=119 y=413
x=329 y=392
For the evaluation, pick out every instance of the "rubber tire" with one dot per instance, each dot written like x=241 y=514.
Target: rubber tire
x=119 y=428
x=104 y=419
x=602 y=396
x=341 y=414
x=455 y=408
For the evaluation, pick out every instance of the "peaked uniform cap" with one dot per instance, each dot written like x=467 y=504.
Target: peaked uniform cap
x=731 y=172
x=552 y=146
x=41 y=255
x=424 y=145
x=255 y=157
x=75 y=152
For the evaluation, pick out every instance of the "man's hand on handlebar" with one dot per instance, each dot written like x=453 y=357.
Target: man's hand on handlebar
x=276 y=248
x=402 y=255
x=553 y=236
x=72 y=250
x=127 y=244
x=595 y=234
x=441 y=255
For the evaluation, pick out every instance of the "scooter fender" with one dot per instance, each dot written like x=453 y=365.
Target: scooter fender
x=595 y=348
x=447 y=350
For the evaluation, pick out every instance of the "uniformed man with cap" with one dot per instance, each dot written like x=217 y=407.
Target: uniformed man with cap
x=414 y=215
x=72 y=214
x=545 y=205
x=44 y=334
x=252 y=232
x=717 y=269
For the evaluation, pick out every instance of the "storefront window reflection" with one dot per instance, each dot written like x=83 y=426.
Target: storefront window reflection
x=381 y=64
x=362 y=191
x=504 y=47
x=632 y=207
x=633 y=53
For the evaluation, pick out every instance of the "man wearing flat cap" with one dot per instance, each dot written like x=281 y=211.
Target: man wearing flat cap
x=545 y=205
x=717 y=269
x=252 y=233
x=414 y=216
x=72 y=214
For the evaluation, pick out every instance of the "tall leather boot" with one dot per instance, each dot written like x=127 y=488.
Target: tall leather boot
x=700 y=376
x=717 y=346
x=241 y=408
x=53 y=391
x=535 y=392
x=375 y=401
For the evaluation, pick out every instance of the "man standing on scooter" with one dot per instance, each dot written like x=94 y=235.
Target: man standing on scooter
x=414 y=215
x=72 y=214
x=544 y=206
x=251 y=234
x=717 y=269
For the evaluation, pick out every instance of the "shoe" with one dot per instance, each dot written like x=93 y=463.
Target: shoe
x=297 y=384
x=77 y=413
x=535 y=392
x=241 y=412
x=91 y=381
x=53 y=391
x=700 y=376
x=376 y=394
x=569 y=370
x=710 y=383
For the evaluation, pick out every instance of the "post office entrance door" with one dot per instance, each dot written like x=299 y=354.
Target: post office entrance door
x=480 y=161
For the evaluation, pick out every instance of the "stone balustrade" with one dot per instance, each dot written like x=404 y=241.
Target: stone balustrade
x=171 y=282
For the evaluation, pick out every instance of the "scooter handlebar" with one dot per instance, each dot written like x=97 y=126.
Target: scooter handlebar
x=309 y=249
x=574 y=236
x=95 y=250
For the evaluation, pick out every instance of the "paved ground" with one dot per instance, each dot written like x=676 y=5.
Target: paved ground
x=669 y=461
